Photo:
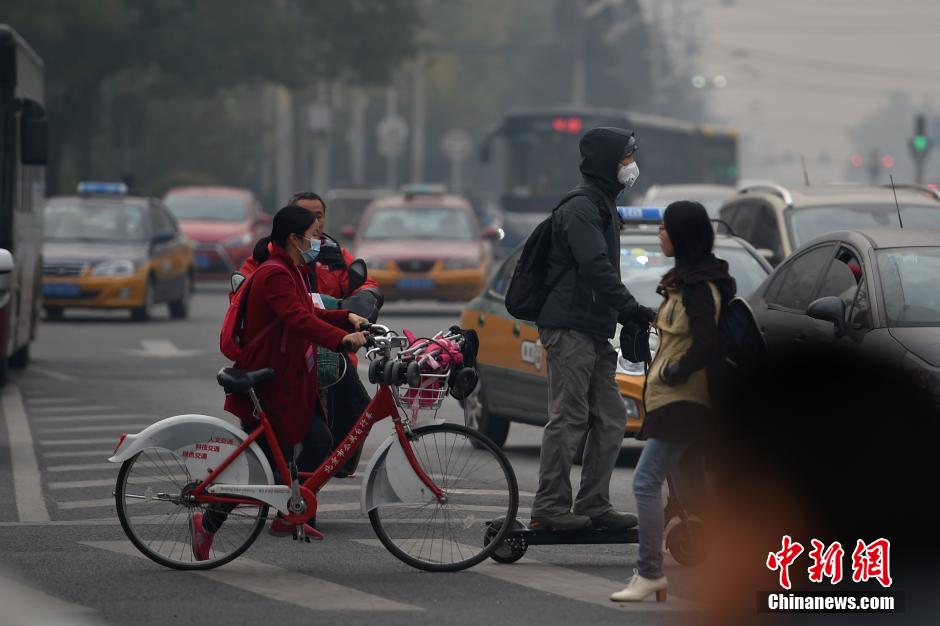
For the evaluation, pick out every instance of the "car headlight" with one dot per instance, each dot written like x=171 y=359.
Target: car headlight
x=115 y=267
x=376 y=264
x=630 y=405
x=461 y=264
x=241 y=240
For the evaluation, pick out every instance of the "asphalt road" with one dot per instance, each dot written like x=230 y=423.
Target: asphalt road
x=64 y=558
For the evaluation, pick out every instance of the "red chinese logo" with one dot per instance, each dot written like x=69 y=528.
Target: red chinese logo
x=869 y=561
x=783 y=559
x=872 y=561
x=827 y=562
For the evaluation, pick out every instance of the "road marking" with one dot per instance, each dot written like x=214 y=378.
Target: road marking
x=565 y=582
x=101 y=454
x=85 y=504
x=91 y=408
x=277 y=583
x=77 y=442
x=90 y=418
x=161 y=349
x=103 y=482
x=52 y=373
x=27 y=482
x=80 y=467
x=115 y=428
x=22 y=604
x=43 y=400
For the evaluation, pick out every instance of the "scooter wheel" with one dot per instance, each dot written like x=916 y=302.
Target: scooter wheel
x=376 y=371
x=513 y=547
x=398 y=373
x=688 y=542
x=413 y=374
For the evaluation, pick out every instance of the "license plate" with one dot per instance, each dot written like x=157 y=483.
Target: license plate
x=61 y=290
x=416 y=283
x=202 y=262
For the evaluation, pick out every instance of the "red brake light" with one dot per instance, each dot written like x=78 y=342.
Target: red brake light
x=575 y=125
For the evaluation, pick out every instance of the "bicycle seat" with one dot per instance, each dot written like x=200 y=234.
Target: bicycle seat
x=242 y=381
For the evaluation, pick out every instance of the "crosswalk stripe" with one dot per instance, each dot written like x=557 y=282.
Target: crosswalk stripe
x=89 y=418
x=101 y=454
x=77 y=442
x=41 y=400
x=565 y=582
x=101 y=482
x=82 y=467
x=277 y=583
x=22 y=604
x=93 y=408
x=114 y=428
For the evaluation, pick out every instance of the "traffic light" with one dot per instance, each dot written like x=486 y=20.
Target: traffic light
x=920 y=146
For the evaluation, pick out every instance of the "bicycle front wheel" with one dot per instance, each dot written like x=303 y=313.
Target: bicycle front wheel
x=479 y=484
x=159 y=520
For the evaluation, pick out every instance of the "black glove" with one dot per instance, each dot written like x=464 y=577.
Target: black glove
x=639 y=314
x=635 y=343
x=670 y=374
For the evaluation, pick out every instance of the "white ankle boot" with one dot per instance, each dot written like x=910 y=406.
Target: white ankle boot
x=639 y=588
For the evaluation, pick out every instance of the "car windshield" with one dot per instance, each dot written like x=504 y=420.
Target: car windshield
x=807 y=223
x=93 y=221
x=642 y=265
x=207 y=208
x=433 y=223
x=909 y=282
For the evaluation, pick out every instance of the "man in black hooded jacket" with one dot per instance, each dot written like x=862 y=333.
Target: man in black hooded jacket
x=575 y=325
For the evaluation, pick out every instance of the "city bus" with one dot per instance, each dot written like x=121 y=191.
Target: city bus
x=22 y=194
x=538 y=160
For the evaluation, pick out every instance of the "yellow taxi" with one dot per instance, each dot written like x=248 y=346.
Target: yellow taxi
x=424 y=244
x=512 y=363
x=103 y=249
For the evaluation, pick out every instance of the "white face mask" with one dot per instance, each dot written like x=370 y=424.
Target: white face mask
x=627 y=174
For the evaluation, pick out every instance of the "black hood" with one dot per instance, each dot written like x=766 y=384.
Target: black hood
x=601 y=150
x=693 y=237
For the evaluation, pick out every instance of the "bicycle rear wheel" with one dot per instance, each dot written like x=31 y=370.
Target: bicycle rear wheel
x=157 y=518
x=479 y=484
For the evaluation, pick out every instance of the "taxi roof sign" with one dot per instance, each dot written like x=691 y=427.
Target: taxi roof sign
x=102 y=189
x=423 y=189
x=640 y=215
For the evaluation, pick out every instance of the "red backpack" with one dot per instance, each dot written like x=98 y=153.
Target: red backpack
x=233 y=324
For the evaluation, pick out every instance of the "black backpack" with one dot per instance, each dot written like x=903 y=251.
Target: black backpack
x=529 y=287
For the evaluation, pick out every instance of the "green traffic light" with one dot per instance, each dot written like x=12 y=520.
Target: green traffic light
x=920 y=143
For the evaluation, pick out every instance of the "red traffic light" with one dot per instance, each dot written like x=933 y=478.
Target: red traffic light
x=887 y=161
x=857 y=160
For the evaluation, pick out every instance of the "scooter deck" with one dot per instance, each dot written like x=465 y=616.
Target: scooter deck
x=544 y=537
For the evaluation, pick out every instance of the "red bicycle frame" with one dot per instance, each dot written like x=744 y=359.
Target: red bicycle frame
x=382 y=406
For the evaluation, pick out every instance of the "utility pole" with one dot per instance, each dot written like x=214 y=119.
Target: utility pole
x=356 y=137
x=874 y=166
x=579 y=62
x=319 y=121
x=419 y=118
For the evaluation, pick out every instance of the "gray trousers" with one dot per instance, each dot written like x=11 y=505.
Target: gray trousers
x=582 y=397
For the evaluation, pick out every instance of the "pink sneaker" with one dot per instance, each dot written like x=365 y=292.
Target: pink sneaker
x=280 y=528
x=202 y=539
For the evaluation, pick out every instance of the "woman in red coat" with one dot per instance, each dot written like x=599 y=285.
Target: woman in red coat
x=280 y=315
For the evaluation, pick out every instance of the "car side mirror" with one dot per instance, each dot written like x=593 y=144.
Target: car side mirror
x=491 y=233
x=829 y=309
x=6 y=274
x=33 y=133
x=163 y=237
x=347 y=232
x=358 y=273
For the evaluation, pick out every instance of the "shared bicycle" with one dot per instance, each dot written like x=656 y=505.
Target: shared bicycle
x=429 y=490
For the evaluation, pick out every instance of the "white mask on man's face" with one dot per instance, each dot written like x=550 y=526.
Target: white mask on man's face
x=627 y=174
